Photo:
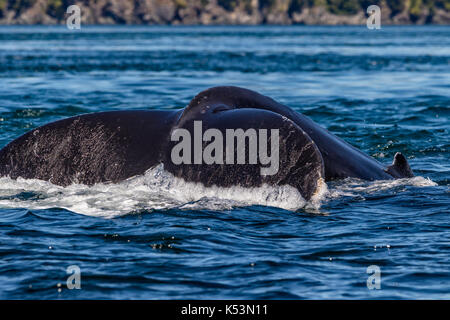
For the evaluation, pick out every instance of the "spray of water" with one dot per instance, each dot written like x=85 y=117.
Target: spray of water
x=158 y=189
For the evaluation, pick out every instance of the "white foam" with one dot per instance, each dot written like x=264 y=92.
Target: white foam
x=352 y=187
x=156 y=189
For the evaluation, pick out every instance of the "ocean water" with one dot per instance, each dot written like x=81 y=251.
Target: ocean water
x=157 y=237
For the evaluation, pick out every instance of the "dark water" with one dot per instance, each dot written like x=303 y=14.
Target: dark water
x=382 y=90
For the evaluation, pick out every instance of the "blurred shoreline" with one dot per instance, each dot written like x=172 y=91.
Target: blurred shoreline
x=224 y=12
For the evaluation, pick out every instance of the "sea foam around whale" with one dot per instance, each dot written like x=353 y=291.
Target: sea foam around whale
x=158 y=189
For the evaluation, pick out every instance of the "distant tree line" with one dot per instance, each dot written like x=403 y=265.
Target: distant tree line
x=56 y=8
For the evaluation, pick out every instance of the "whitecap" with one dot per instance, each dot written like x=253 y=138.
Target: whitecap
x=156 y=189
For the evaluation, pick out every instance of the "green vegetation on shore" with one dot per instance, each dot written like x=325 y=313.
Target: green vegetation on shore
x=224 y=11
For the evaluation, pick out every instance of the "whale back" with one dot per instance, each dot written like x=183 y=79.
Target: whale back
x=341 y=160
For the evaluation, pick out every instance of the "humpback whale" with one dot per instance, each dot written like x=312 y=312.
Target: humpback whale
x=115 y=145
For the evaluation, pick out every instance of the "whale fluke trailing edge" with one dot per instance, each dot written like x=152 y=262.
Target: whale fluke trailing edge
x=116 y=145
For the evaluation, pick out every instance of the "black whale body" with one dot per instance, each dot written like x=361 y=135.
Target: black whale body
x=113 y=146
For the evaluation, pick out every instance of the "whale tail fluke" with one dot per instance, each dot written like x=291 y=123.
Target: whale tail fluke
x=400 y=167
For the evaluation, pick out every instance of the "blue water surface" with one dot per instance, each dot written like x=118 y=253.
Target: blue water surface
x=384 y=91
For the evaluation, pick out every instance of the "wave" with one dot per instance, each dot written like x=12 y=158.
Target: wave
x=158 y=189
x=352 y=187
x=216 y=61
